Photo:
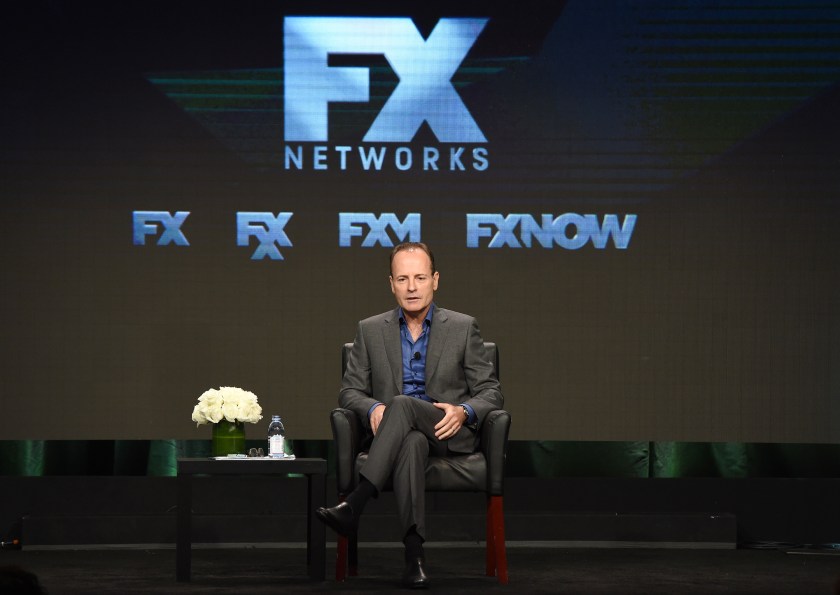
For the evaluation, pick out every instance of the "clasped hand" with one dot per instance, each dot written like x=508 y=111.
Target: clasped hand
x=453 y=419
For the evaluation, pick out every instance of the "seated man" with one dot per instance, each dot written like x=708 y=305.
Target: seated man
x=418 y=378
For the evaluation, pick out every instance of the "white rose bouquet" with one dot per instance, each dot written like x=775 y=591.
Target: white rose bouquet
x=229 y=403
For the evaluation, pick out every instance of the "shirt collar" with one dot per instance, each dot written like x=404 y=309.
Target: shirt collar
x=427 y=321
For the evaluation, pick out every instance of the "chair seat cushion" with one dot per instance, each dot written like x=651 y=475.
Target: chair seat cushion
x=461 y=473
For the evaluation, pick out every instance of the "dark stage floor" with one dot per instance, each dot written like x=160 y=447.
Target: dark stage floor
x=453 y=570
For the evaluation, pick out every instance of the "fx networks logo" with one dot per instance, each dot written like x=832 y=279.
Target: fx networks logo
x=424 y=93
x=269 y=231
x=570 y=230
x=149 y=223
x=352 y=225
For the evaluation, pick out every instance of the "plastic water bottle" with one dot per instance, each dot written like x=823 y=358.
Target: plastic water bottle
x=276 y=438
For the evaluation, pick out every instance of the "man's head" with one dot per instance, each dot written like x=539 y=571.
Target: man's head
x=414 y=279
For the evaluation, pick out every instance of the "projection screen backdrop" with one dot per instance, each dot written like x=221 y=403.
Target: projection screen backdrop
x=637 y=200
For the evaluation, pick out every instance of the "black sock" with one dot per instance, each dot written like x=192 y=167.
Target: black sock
x=413 y=544
x=359 y=497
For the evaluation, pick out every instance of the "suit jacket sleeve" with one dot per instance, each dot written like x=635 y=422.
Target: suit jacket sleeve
x=356 y=388
x=485 y=392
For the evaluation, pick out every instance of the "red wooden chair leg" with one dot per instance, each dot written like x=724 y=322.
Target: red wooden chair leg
x=341 y=559
x=496 y=551
x=491 y=546
x=346 y=556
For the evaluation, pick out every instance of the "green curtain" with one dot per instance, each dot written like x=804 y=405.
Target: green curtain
x=532 y=458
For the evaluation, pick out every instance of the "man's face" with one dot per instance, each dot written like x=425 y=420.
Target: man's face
x=412 y=281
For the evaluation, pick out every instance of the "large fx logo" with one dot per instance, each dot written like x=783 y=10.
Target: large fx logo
x=146 y=224
x=424 y=66
x=268 y=230
x=350 y=225
x=570 y=230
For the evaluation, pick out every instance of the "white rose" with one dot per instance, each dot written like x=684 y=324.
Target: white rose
x=213 y=412
x=209 y=406
x=198 y=415
x=230 y=409
x=250 y=411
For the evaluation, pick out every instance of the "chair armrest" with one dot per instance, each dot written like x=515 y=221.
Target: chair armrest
x=494 y=438
x=347 y=434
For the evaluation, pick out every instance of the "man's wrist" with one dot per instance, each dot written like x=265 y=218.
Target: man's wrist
x=374 y=406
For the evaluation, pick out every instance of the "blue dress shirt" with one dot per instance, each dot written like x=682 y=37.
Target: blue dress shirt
x=414 y=357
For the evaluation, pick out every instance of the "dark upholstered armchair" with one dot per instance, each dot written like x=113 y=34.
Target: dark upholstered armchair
x=482 y=471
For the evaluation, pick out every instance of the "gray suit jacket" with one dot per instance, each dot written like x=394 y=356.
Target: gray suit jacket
x=456 y=369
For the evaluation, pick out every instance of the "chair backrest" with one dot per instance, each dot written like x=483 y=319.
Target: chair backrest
x=491 y=351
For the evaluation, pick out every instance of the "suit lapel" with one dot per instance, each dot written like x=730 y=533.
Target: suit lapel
x=393 y=347
x=437 y=340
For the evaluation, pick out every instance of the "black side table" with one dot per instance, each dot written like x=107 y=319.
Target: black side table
x=315 y=471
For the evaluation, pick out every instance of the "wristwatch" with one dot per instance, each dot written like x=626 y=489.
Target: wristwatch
x=466 y=412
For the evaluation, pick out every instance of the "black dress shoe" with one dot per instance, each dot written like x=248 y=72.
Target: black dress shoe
x=339 y=518
x=415 y=576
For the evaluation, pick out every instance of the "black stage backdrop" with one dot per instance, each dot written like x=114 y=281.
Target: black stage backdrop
x=637 y=200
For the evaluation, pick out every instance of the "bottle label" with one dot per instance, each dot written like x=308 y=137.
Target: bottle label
x=276 y=446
